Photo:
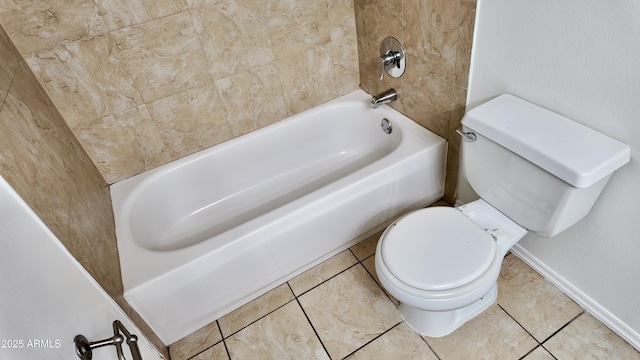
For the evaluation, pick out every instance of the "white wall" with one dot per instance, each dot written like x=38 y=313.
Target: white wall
x=579 y=58
x=46 y=296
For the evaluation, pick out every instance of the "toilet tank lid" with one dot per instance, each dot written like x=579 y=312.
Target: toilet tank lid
x=573 y=152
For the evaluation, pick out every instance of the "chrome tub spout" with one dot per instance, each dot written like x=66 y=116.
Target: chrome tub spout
x=384 y=98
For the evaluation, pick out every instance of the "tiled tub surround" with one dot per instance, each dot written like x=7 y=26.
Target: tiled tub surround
x=337 y=310
x=437 y=36
x=42 y=160
x=142 y=83
x=201 y=236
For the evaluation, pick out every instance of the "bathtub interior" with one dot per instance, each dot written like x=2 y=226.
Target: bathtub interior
x=335 y=183
x=240 y=183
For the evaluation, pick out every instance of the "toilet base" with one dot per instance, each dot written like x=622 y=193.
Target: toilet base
x=441 y=323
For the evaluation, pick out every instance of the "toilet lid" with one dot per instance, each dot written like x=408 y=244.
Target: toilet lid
x=437 y=249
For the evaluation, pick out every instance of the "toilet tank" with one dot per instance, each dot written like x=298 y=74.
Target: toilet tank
x=539 y=168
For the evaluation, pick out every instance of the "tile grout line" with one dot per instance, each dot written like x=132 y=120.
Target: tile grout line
x=540 y=343
x=324 y=281
x=224 y=343
x=429 y=346
x=534 y=349
x=556 y=332
x=377 y=283
x=352 y=253
x=561 y=328
x=258 y=319
x=4 y=98
x=310 y=323
x=372 y=340
x=209 y=347
x=205 y=349
x=523 y=328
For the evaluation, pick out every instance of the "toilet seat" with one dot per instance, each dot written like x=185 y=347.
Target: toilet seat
x=437 y=249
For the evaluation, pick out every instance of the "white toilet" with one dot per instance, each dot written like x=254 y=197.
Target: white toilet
x=534 y=170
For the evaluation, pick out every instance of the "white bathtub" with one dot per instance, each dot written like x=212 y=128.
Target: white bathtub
x=205 y=234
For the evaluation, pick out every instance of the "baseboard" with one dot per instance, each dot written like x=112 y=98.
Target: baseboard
x=592 y=307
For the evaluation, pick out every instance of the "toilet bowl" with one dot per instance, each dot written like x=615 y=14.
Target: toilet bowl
x=443 y=263
x=533 y=170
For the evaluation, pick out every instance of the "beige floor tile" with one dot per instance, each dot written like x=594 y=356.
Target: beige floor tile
x=217 y=352
x=401 y=342
x=254 y=310
x=348 y=311
x=587 y=338
x=366 y=247
x=490 y=335
x=536 y=304
x=539 y=354
x=353 y=317
x=283 y=334
x=370 y=265
x=194 y=343
x=316 y=275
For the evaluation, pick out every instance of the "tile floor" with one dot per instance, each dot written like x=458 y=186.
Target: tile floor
x=337 y=310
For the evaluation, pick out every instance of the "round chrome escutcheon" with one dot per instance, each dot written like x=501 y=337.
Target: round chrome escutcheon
x=386 y=125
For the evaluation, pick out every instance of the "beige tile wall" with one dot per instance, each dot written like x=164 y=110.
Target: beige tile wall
x=144 y=82
x=437 y=36
x=44 y=162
